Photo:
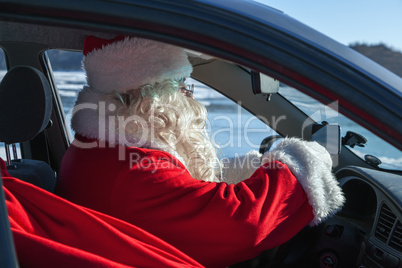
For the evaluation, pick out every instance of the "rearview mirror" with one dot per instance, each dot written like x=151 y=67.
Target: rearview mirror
x=328 y=136
x=263 y=84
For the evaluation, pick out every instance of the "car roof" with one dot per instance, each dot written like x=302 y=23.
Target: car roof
x=279 y=20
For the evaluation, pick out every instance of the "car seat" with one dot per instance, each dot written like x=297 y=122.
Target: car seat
x=25 y=109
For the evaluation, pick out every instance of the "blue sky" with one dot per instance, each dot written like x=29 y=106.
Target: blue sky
x=349 y=21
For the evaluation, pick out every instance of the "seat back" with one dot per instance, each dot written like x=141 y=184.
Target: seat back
x=25 y=109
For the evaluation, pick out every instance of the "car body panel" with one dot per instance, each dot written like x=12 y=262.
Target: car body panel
x=308 y=60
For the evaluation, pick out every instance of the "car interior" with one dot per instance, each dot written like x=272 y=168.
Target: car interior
x=34 y=131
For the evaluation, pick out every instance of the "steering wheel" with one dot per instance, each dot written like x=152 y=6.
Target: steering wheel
x=268 y=142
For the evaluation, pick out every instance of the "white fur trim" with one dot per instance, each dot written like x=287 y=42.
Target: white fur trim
x=311 y=164
x=94 y=117
x=134 y=62
x=237 y=169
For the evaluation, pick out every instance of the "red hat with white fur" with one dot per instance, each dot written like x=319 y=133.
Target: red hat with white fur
x=124 y=63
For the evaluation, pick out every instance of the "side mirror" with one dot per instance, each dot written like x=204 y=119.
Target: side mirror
x=328 y=136
x=263 y=84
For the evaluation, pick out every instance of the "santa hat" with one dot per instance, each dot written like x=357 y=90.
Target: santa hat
x=124 y=63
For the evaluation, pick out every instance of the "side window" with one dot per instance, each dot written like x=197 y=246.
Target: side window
x=69 y=76
x=3 y=67
x=231 y=127
x=3 y=70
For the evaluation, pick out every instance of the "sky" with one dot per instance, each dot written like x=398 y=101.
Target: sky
x=349 y=21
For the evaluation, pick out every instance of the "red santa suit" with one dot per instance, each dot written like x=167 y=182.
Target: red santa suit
x=49 y=231
x=216 y=223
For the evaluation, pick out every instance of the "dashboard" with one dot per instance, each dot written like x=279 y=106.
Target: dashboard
x=373 y=210
x=366 y=233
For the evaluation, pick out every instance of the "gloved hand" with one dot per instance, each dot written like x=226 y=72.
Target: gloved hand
x=311 y=164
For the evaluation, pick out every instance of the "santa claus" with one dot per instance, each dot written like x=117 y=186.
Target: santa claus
x=141 y=154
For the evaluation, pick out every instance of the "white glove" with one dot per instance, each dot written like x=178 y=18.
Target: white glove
x=237 y=169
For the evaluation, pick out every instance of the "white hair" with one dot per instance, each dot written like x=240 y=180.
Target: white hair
x=175 y=122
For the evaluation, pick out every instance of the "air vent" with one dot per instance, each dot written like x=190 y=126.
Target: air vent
x=385 y=223
x=396 y=239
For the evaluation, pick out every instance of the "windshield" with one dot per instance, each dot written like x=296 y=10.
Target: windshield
x=390 y=156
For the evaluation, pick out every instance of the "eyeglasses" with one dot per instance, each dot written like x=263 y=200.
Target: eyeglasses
x=187 y=90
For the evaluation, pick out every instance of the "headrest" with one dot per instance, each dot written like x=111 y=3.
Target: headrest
x=25 y=104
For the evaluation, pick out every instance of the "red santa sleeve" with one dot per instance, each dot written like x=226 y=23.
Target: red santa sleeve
x=217 y=224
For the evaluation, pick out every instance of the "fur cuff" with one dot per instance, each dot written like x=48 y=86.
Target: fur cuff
x=237 y=169
x=311 y=164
